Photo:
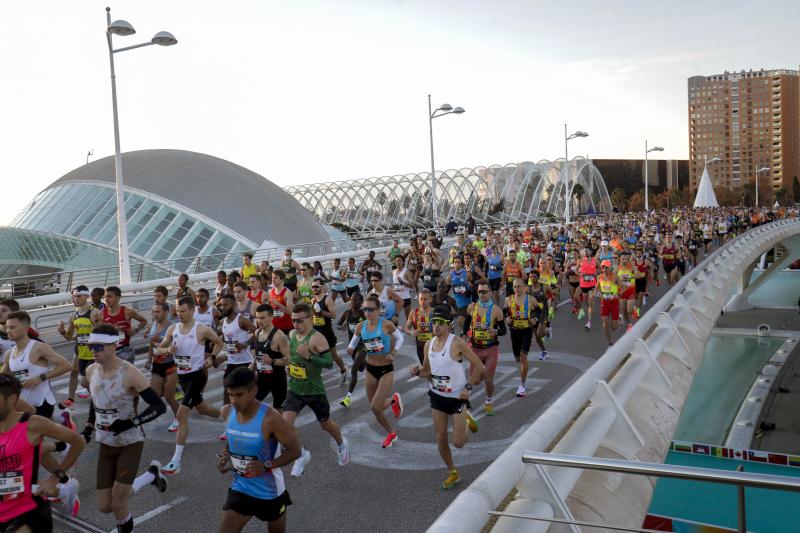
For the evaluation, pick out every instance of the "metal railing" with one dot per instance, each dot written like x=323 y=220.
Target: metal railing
x=64 y=281
x=661 y=350
x=738 y=478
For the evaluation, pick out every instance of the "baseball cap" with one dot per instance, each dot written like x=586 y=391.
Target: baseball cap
x=442 y=311
x=606 y=263
x=603 y=243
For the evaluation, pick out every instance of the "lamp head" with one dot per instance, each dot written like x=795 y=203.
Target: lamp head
x=458 y=110
x=445 y=107
x=656 y=149
x=122 y=28
x=581 y=134
x=164 y=38
x=764 y=169
x=713 y=160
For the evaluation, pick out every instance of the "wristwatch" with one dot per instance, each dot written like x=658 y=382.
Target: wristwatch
x=268 y=466
x=468 y=386
x=43 y=376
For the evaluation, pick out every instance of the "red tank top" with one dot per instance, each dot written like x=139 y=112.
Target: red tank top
x=281 y=320
x=640 y=266
x=588 y=273
x=120 y=322
x=257 y=297
x=19 y=465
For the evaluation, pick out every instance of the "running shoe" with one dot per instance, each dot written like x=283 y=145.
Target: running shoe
x=171 y=469
x=66 y=421
x=581 y=314
x=472 y=422
x=66 y=404
x=389 y=440
x=397 y=405
x=344 y=453
x=346 y=401
x=300 y=463
x=224 y=436
x=488 y=408
x=588 y=325
x=84 y=394
x=521 y=391
x=574 y=310
x=635 y=313
x=68 y=495
x=453 y=478
x=159 y=482
x=174 y=426
x=343 y=381
x=630 y=327
x=543 y=355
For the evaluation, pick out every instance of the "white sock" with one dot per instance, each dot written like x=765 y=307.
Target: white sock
x=349 y=394
x=143 y=480
x=176 y=458
x=488 y=400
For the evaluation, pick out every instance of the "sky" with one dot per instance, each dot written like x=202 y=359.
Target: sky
x=306 y=91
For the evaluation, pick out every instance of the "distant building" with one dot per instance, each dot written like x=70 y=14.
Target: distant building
x=748 y=119
x=628 y=174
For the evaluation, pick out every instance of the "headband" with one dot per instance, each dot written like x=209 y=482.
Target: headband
x=103 y=338
x=81 y=293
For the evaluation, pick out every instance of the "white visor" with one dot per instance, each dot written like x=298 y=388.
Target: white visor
x=103 y=338
x=81 y=293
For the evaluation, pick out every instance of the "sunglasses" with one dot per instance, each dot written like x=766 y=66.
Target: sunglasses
x=369 y=309
x=315 y=287
x=483 y=291
x=440 y=322
x=97 y=347
x=299 y=320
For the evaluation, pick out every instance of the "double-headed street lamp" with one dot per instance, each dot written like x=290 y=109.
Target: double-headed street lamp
x=123 y=28
x=442 y=110
x=759 y=171
x=646 y=184
x=567 y=138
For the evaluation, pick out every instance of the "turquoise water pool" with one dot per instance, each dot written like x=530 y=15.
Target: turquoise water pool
x=781 y=290
x=768 y=511
x=729 y=367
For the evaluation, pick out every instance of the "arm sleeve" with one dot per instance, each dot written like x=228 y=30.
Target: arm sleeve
x=398 y=339
x=323 y=360
x=501 y=327
x=92 y=414
x=354 y=342
x=155 y=407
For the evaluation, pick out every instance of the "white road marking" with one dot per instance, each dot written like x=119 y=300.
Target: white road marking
x=158 y=510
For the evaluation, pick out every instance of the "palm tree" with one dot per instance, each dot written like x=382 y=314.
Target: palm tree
x=578 y=192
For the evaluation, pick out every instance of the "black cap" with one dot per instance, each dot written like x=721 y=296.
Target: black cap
x=442 y=311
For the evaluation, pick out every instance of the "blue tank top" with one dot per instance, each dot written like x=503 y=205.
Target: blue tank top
x=376 y=342
x=495 y=269
x=246 y=443
x=461 y=292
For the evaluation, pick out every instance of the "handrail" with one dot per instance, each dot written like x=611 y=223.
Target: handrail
x=593 y=410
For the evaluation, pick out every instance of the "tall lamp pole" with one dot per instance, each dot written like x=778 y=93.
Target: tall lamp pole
x=442 y=110
x=759 y=171
x=567 y=138
x=123 y=28
x=646 y=169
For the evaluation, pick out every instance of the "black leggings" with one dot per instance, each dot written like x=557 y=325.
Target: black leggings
x=521 y=341
x=274 y=383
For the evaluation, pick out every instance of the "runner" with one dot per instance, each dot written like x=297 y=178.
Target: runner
x=237 y=333
x=460 y=281
x=402 y=282
x=163 y=375
x=186 y=342
x=430 y=271
x=419 y=323
x=259 y=443
x=309 y=354
x=607 y=290
x=669 y=258
x=627 y=289
x=222 y=285
x=511 y=270
x=183 y=288
x=486 y=325
x=381 y=340
x=98 y=293
x=120 y=317
x=270 y=357
x=84 y=318
x=338 y=275
x=350 y=319
x=449 y=388
x=369 y=266
x=30 y=361
x=255 y=293
x=642 y=267
x=353 y=278
x=249 y=269
x=281 y=299
x=22 y=508
x=390 y=300
x=587 y=269
x=303 y=294
x=160 y=295
x=541 y=294
x=518 y=310
x=242 y=305
x=116 y=385
x=324 y=312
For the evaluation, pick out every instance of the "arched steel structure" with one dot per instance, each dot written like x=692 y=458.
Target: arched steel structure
x=496 y=194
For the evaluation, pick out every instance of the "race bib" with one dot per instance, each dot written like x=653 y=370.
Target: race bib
x=352 y=327
x=424 y=336
x=277 y=312
x=297 y=372
x=460 y=289
x=319 y=320
x=373 y=346
x=482 y=335
x=588 y=278
x=398 y=288
x=105 y=417
x=427 y=277
x=261 y=366
x=442 y=383
x=609 y=296
x=21 y=375
x=12 y=484
x=230 y=346
x=240 y=462
x=82 y=339
x=520 y=323
x=493 y=267
x=184 y=362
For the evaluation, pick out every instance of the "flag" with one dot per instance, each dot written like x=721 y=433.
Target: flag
x=683 y=447
x=757 y=456
x=794 y=460
x=701 y=449
x=778 y=459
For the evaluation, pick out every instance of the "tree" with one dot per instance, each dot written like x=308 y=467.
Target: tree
x=781 y=195
x=618 y=198
x=636 y=201
x=796 y=189
x=578 y=192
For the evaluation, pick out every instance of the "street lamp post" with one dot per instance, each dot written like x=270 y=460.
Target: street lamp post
x=122 y=28
x=442 y=110
x=759 y=171
x=568 y=138
x=646 y=151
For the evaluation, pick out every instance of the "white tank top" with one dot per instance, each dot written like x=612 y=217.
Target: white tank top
x=206 y=319
x=112 y=402
x=190 y=354
x=23 y=370
x=232 y=334
x=447 y=375
x=400 y=288
x=5 y=345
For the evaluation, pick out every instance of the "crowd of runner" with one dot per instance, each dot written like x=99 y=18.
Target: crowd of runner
x=275 y=329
